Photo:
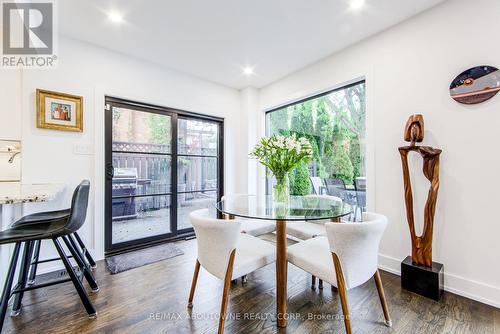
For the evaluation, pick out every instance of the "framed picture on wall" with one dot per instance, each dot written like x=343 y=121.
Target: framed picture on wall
x=59 y=111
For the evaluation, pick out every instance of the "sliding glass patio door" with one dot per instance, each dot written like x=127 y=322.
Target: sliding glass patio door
x=197 y=167
x=147 y=148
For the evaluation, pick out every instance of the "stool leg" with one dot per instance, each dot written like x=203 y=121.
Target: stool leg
x=23 y=278
x=34 y=260
x=81 y=263
x=80 y=250
x=76 y=282
x=85 y=251
x=77 y=248
x=8 y=284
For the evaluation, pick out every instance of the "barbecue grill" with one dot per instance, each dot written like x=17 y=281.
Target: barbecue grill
x=124 y=188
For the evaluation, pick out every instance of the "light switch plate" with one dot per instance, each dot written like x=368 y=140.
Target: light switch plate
x=83 y=149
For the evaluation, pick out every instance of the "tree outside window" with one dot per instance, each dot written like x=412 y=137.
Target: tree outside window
x=334 y=123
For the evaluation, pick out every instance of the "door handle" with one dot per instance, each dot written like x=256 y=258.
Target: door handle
x=110 y=172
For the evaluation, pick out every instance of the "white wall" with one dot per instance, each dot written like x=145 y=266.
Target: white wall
x=93 y=73
x=249 y=136
x=10 y=106
x=408 y=70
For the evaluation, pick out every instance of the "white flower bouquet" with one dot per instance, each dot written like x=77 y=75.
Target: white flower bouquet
x=281 y=154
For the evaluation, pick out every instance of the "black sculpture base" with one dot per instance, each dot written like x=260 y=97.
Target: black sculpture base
x=427 y=282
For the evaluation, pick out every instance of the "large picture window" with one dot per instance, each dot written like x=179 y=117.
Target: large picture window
x=334 y=123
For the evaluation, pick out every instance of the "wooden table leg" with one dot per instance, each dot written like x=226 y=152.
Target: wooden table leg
x=281 y=273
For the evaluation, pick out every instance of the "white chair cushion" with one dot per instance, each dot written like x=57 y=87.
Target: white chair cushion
x=216 y=239
x=356 y=245
x=257 y=227
x=305 y=230
x=315 y=257
x=251 y=254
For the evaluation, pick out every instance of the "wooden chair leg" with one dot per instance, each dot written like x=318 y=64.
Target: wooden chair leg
x=342 y=292
x=383 y=301
x=313 y=282
x=193 y=283
x=225 y=293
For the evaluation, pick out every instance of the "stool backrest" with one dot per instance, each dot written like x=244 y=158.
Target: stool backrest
x=79 y=204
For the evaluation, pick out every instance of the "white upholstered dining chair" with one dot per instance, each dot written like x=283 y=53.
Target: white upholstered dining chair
x=310 y=229
x=226 y=253
x=254 y=227
x=345 y=258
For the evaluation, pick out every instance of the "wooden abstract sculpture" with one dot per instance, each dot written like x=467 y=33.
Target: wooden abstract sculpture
x=421 y=245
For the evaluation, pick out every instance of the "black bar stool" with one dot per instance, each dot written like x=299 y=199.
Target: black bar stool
x=44 y=218
x=27 y=234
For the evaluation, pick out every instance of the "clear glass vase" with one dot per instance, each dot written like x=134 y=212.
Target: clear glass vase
x=281 y=191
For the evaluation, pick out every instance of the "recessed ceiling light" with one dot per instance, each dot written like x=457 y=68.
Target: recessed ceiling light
x=115 y=17
x=357 y=4
x=248 y=70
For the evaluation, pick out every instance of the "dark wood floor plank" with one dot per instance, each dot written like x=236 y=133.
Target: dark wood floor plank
x=496 y=322
x=153 y=299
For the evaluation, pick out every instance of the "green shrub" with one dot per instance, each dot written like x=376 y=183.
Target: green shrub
x=299 y=181
x=355 y=156
x=342 y=166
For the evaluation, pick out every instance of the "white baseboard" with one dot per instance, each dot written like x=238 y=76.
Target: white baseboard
x=478 y=291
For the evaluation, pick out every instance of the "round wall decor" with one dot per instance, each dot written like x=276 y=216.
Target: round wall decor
x=476 y=85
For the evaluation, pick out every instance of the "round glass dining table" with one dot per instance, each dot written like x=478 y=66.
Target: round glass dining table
x=299 y=208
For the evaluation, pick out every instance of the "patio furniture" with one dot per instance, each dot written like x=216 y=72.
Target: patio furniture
x=318 y=185
x=360 y=187
x=337 y=187
x=345 y=258
x=226 y=253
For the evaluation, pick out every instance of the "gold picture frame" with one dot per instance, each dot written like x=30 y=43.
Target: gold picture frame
x=59 y=111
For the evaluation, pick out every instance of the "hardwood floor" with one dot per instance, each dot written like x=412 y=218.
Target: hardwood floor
x=153 y=299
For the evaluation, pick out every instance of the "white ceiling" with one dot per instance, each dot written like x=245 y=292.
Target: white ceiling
x=215 y=39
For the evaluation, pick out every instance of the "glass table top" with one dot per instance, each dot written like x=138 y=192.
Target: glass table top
x=311 y=207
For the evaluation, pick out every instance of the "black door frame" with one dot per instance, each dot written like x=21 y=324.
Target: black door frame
x=175 y=234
